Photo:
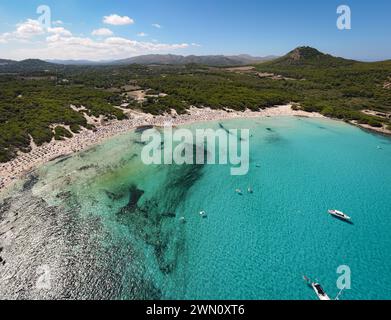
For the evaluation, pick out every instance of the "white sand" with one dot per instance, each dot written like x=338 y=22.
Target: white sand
x=25 y=162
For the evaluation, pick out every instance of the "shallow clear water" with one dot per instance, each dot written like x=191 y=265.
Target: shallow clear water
x=254 y=246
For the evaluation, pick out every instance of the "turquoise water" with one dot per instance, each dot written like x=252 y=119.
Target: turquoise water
x=254 y=246
x=258 y=246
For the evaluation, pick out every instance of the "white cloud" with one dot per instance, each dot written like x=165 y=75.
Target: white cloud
x=60 y=31
x=23 y=32
x=4 y=37
x=60 y=47
x=57 y=22
x=31 y=40
x=142 y=34
x=102 y=32
x=116 y=20
x=140 y=47
x=28 y=29
x=196 y=44
x=156 y=25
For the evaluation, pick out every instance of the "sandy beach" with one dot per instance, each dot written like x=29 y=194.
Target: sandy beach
x=26 y=162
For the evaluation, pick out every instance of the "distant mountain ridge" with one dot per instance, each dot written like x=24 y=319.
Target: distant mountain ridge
x=78 y=62
x=171 y=59
x=4 y=62
x=211 y=60
x=301 y=56
x=12 y=66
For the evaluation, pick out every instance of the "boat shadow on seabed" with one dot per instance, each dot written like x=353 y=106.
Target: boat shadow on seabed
x=343 y=220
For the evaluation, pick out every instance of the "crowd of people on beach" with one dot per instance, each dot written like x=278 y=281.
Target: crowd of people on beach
x=25 y=162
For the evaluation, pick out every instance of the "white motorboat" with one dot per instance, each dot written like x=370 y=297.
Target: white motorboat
x=317 y=288
x=340 y=215
x=320 y=292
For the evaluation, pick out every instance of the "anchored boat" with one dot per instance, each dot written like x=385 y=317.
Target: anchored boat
x=318 y=289
x=340 y=215
x=203 y=214
x=320 y=292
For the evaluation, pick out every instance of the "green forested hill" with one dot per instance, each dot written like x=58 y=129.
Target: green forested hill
x=33 y=95
x=335 y=86
x=26 y=66
x=309 y=57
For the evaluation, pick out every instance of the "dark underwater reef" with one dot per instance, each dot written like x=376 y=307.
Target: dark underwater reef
x=153 y=220
x=86 y=258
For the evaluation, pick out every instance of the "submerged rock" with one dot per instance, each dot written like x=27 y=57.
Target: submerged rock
x=58 y=254
x=113 y=196
x=169 y=215
x=32 y=180
x=61 y=159
x=64 y=195
x=141 y=129
x=140 y=143
x=135 y=195
x=87 y=167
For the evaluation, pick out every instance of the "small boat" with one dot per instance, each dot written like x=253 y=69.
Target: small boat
x=182 y=219
x=203 y=214
x=249 y=190
x=239 y=192
x=320 y=292
x=318 y=289
x=340 y=215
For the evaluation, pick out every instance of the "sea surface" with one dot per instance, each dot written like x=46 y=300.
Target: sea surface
x=102 y=225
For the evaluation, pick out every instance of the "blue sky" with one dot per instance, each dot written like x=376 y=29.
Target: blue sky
x=256 y=27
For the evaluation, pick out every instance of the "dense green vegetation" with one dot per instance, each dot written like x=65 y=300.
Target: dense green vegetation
x=214 y=89
x=35 y=96
x=309 y=57
x=29 y=107
x=60 y=133
x=333 y=86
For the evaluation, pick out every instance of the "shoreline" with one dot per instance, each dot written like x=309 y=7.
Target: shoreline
x=27 y=162
x=383 y=130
